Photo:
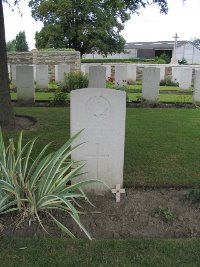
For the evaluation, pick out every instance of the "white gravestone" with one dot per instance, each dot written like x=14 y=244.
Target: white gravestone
x=85 y=68
x=196 y=95
x=97 y=77
x=151 y=84
x=13 y=73
x=101 y=113
x=108 y=71
x=25 y=84
x=60 y=71
x=9 y=71
x=41 y=76
x=120 y=75
x=176 y=72
x=185 y=78
x=162 y=73
x=131 y=72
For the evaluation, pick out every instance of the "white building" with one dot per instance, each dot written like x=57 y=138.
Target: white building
x=185 y=49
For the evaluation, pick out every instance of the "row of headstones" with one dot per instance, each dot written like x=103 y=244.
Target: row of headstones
x=125 y=73
x=25 y=77
x=39 y=73
x=150 y=80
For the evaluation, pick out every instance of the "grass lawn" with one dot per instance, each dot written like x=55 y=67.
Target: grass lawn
x=123 y=253
x=162 y=145
x=134 y=94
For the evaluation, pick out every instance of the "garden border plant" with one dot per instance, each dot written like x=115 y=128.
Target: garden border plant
x=32 y=187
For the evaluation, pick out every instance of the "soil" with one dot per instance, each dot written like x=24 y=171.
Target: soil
x=24 y=122
x=160 y=213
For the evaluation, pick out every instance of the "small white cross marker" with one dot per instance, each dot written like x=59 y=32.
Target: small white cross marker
x=118 y=191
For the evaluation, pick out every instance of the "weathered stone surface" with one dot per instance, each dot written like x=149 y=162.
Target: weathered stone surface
x=50 y=58
x=101 y=113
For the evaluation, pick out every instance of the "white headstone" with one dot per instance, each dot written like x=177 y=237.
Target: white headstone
x=131 y=72
x=151 y=84
x=101 y=113
x=108 y=70
x=185 y=78
x=41 y=76
x=13 y=73
x=60 y=71
x=196 y=95
x=97 y=77
x=176 y=72
x=25 y=84
x=162 y=73
x=120 y=75
x=9 y=71
x=85 y=68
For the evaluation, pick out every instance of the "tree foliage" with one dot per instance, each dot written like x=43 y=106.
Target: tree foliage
x=196 y=42
x=10 y=46
x=21 y=44
x=86 y=25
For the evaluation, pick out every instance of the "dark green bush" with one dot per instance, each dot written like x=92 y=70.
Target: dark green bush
x=74 y=80
x=183 y=61
x=60 y=98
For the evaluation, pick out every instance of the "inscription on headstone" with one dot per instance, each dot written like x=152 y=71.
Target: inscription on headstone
x=101 y=113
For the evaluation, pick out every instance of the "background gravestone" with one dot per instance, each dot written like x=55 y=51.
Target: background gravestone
x=120 y=75
x=131 y=72
x=25 y=84
x=176 y=72
x=101 y=113
x=196 y=95
x=60 y=71
x=97 y=77
x=185 y=78
x=41 y=76
x=151 y=84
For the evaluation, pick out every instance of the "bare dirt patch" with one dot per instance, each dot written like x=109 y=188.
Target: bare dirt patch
x=24 y=122
x=163 y=213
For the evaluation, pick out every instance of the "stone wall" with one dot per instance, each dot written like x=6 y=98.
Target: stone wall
x=50 y=58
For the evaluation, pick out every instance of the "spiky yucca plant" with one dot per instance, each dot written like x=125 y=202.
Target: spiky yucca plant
x=34 y=186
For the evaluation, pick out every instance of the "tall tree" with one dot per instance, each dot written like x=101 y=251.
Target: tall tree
x=86 y=25
x=7 y=118
x=21 y=44
x=10 y=46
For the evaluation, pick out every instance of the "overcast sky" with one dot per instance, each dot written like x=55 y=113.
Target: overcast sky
x=150 y=25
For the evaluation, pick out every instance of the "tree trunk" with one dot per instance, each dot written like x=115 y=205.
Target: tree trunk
x=7 y=118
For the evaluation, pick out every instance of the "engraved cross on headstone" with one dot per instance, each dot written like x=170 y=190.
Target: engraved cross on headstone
x=118 y=191
x=97 y=156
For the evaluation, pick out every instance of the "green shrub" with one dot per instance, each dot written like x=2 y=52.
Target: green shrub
x=74 y=80
x=32 y=187
x=168 y=82
x=161 y=61
x=60 y=98
x=183 y=61
x=110 y=83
